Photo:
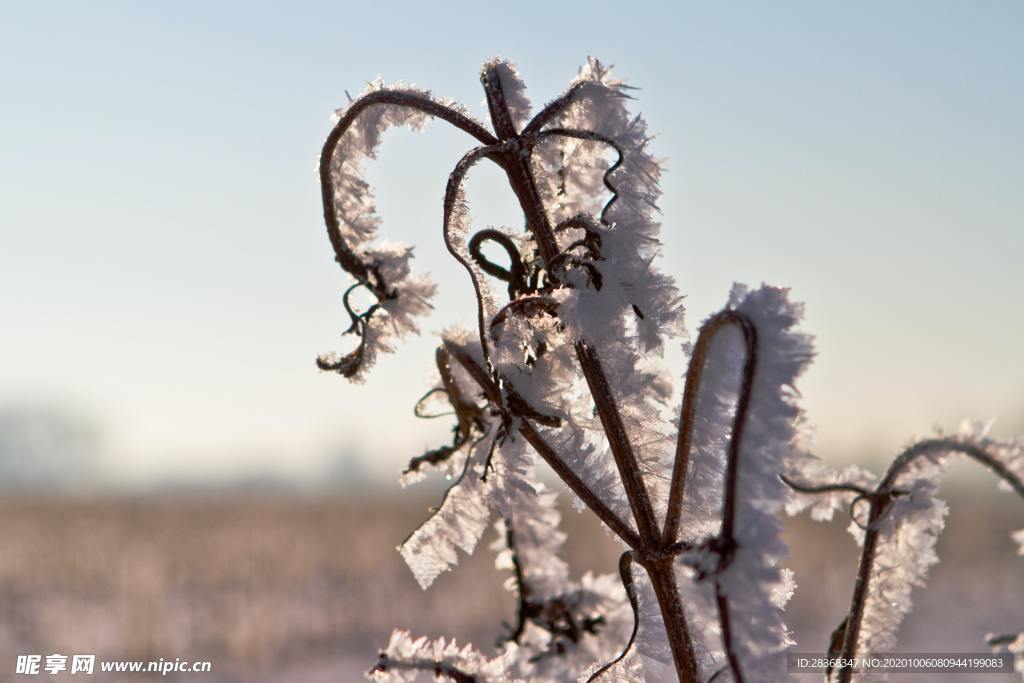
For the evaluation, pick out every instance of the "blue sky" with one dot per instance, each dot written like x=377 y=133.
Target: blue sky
x=165 y=269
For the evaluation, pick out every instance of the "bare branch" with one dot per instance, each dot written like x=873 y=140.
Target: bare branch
x=546 y=452
x=880 y=501
x=435 y=667
x=520 y=174
x=824 y=488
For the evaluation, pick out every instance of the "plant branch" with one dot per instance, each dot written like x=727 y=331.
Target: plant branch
x=517 y=167
x=555 y=107
x=452 y=198
x=437 y=668
x=688 y=417
x=546 y=452
x=345 y=256
x=880 y=499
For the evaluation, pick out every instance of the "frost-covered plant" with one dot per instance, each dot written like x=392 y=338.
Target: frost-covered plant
x=564 y=369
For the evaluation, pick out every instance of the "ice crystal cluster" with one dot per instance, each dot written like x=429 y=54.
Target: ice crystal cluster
x=563 y=370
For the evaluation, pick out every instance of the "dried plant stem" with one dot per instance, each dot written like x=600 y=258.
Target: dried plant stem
x=342 y=252
x=662 y=573
x=880 y=499
x=437 y=668
x=688 y=414
x=544 y=449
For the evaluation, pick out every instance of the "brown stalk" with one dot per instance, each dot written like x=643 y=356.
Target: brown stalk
x=880 y=499
x=520 y=175
x=437 y=668
x=725 y=543
x=546 y=452
x=688 y=414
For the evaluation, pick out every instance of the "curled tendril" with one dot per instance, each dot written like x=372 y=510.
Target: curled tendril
x=365 y=270
x=626 y=575
x=469 y=417
x=515 y=275
x=591 y=231
x=418 y=408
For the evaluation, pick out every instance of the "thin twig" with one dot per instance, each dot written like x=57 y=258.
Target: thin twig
x=824 y=488
x=626 y=574
x=435 y=667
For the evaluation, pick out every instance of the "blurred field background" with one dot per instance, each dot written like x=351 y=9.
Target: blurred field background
x=282 y=587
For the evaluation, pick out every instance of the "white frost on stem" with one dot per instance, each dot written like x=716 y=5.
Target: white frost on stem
x=753 y=580
x=618 y=301
x=513 y=88
x=911 y=526
x=405 y=659
x=407 y=296
x=911 y=522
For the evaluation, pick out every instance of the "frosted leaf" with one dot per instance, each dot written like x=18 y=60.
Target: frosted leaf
x=405 y=659
x=458 y=523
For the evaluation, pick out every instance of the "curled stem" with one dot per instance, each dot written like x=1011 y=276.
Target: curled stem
x=880 y=500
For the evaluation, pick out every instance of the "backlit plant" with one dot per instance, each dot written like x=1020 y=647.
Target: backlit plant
x=563 y=369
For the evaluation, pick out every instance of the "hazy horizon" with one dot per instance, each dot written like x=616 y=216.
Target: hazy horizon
x=167 y=281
